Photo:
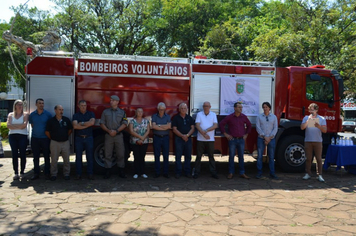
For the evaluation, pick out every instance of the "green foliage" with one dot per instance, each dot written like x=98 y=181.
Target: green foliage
x=292 y=32
x=4 y=131
x=31 y=26
x=106 y=26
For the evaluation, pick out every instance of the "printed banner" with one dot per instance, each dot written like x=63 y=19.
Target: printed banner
x=239 y=89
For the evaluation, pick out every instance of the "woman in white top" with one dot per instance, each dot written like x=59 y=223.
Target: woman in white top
x=17 y=125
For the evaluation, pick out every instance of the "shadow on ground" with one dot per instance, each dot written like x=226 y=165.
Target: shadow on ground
x=287 y=181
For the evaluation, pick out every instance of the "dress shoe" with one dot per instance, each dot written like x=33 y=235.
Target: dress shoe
x=35 y=177
x=78 y=177
x=229 y=176
x=53 y=178
x=188 y=176
x=259 y=176
x=122 y=173
x=91 y=177
x=157 y=175
x=274 y=177
x=166 y=176
x=244 y=176
x=67 y=177
x=215 y=176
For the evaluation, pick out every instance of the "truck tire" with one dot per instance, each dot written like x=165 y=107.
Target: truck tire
x=99 y=155
x=291 y=154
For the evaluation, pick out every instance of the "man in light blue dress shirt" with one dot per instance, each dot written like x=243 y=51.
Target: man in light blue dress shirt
x=267 y=127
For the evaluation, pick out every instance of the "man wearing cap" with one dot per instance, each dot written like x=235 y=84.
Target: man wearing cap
x=113 y=121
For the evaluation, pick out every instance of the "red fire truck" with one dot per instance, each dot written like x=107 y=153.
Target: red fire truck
x=60 y=78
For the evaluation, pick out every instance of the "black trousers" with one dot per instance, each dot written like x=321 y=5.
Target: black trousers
x=139 y=152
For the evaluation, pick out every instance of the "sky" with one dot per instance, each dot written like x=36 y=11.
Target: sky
x=6 y=13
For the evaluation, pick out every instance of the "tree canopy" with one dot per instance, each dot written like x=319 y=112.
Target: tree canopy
x=292 y=32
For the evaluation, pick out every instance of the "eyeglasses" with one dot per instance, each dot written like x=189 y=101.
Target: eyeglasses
x=267 y=118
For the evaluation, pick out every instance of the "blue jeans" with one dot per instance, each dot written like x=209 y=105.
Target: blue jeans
x=183 y=148
x=82 y=144
x=238 y=144
x=36 y=145
x=158 y=144
x=270 y=152
x=18 y=142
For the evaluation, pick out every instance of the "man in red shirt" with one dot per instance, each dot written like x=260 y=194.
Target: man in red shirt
x=239 y=127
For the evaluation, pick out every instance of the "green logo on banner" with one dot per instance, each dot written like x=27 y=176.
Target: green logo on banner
x=240 y=86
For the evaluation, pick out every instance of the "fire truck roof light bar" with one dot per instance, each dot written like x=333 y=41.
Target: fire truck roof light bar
x=56 y=53
x=232 y=62
x=131 y=57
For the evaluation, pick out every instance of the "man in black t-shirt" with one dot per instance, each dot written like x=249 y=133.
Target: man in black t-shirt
x=58 y=129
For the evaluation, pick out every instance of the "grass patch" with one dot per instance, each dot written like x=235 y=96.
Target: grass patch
x=5 y=141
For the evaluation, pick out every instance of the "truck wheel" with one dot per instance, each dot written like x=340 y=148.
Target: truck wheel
x=291 y=154
x=99 y=155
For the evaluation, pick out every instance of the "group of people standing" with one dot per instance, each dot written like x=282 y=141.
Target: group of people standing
x=50 y=135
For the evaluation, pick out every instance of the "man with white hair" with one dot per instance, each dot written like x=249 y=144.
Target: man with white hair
x=206 y=123
x=161 y=124
x=183 y=128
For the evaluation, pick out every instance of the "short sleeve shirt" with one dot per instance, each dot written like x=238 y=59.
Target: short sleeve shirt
x=39 y=122
x=59 y=129
x=113 y=119
x=183 y=124
x=313 y=134
x=140 y=129
x=165 y=119
x=205 y=122
x=80 y=117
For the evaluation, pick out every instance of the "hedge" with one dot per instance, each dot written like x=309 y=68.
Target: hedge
x=4 y=130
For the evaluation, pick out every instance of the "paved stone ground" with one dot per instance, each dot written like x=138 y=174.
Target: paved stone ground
x=205 y=206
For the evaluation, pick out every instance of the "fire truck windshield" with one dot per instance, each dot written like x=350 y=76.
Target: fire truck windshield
x=320 y=91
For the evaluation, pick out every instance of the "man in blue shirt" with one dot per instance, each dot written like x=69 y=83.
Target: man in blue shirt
x=38 y=120
x=82 y=124
x=161 y=124
x=266 y=127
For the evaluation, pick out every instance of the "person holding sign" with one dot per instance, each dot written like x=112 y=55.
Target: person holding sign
x=314 y=125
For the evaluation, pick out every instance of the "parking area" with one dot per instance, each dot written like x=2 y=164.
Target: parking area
x=203 y=206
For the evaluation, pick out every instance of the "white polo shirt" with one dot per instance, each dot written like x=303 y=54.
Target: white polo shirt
x=206 y=121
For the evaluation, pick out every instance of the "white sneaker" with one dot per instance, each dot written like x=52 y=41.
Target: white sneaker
x=16 y=177
x=306 y=176
x=320 y=178
x=144 y=176
x=135 y=176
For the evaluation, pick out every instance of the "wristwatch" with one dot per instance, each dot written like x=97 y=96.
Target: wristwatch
x=82 y=123
x=159 y=125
